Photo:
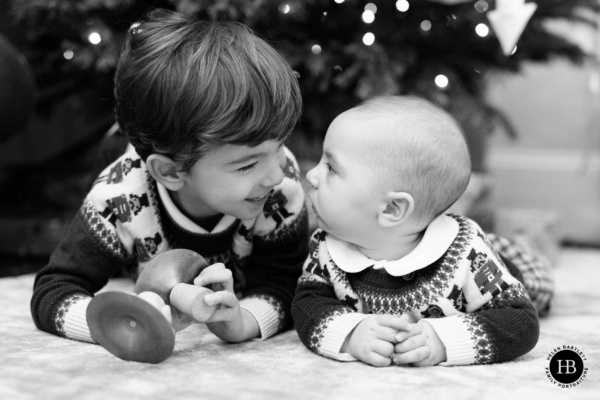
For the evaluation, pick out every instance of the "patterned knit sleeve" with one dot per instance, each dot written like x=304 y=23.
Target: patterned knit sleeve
x=80 y=266
x=322 y=320
x=279 y=247
x=534 y=269
x=499 y=322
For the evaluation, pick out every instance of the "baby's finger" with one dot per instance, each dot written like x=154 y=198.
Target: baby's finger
x=393 y=321
x=412 y=356
x=413 y=342
x=383 y=348
x=387 y=334
x=377 y=360
x=413 y=329
x=408 y=317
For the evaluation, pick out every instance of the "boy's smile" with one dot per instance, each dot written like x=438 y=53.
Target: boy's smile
x=233 y=180
x=260 y=200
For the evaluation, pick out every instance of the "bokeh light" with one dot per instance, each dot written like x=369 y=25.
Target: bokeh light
x=368 y=16
x=371 y=7
x=402 y=5
x=482 y=30
x=441 y=81
x=94 y=38
x=285 y=8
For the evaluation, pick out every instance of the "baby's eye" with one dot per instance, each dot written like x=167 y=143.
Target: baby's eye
x=247 y=167
x=330 y=169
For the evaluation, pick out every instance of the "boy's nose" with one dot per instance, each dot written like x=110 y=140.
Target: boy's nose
x=275 y=175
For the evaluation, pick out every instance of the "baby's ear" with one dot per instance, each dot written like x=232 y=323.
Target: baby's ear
x=397 y=208
x=164 y=171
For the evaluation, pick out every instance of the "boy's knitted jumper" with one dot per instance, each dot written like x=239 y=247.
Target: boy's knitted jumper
x=127 y=218
x=481 y=313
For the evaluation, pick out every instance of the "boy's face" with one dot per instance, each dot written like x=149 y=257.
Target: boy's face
x=233 y=180
x=344 y=191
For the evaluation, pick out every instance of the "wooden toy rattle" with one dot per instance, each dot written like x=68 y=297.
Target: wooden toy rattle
x=131 y=328
x=171 y=275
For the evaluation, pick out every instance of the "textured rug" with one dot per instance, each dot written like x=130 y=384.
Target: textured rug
x=36 y=365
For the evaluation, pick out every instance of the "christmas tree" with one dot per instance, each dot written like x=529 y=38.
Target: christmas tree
x=343 y=50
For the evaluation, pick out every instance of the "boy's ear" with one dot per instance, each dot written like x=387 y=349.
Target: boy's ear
x=164 y=171
x=397 y=208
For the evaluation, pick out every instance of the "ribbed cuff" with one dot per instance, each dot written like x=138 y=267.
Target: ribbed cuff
x=336 y=333
x=453 y=332
x=76 y=326
x=266 y=315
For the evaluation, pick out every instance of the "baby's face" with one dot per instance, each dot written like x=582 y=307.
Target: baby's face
x=344 y=192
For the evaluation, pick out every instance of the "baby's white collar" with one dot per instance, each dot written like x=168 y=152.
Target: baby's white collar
x=437 y=238
x=183 y=221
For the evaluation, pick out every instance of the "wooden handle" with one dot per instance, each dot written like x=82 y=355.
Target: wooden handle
x=189 y=299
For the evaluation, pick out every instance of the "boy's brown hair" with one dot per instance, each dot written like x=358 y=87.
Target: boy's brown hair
x=184 y=86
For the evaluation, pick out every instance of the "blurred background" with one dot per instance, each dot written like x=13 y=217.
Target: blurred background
x=522 y=78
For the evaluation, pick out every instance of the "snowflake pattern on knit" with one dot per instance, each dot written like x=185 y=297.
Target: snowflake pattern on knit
x=290 y=170
x=457 y=296
x=342 y=287
x=147 y=247
x=61 y=312
x=277 y=306
x=484 y=348
x=107 y=237
x=467 y=270
x=482 y=344
x=285 y=232
x=536 y=270
x=510 y=295
x=427 y=286
x=317 y=334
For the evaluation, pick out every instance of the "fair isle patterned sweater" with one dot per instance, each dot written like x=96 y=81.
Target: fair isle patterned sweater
x=454 y=278
x=127 y=218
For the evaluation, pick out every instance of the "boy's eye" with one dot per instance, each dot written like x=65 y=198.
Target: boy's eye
x=247 y=167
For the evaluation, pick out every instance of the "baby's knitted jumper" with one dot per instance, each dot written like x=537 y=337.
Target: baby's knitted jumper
x=481 y=313
x=124 y=222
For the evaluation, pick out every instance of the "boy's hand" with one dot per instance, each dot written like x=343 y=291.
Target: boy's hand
x=228 y=322
x=372 y=341
x=158 y=303
x=419 y=345
x=221 y=280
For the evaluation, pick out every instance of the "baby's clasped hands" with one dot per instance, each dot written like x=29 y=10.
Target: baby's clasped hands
x=417 y=344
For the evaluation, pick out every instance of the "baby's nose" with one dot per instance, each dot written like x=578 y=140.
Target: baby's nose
x=311 y=177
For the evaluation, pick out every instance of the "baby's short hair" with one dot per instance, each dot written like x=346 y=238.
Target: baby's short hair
x=184 y=86
x=425 y=153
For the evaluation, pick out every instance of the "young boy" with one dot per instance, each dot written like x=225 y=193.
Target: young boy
x=207 y=107
x=390 y=278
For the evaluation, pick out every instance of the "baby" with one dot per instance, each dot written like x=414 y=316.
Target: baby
x=390 y=278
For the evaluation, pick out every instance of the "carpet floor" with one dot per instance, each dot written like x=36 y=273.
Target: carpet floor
x=37 y=365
